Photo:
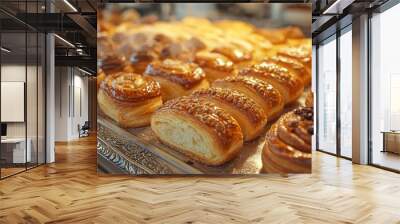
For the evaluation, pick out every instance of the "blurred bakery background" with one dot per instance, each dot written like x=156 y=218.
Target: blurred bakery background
x=261 y=15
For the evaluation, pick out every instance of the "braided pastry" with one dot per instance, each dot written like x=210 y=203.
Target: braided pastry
x=198 y=128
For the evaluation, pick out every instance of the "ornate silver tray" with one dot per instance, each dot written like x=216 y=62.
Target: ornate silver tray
x=137 y=151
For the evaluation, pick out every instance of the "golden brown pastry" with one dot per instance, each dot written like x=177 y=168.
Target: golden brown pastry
x=302 y=53
x=293 y=66
x=250 y=116
x=100 y=77
x=280 y=35
x=239 y=56
x=215 y=66
x=177 y=78
x=290 y=86
x=198 y=128
x=129 y=99
x=287 y=147
x=111 y=64
x=309 y=102
x=141 y=58
x=263 y=93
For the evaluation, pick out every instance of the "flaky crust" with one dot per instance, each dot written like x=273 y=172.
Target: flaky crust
x=262 y=92
x=303 y=54
x=309 y=102
x=177 y=78
x=233 y=53
x=223 y=130
x=289 y=85
x=215 y=66
x=185 y=74
x=129 y=99
x=214 y=61
x=111 y=64
x=139 y=59
x=250 y=116
x=293 y=66
x=288 y=143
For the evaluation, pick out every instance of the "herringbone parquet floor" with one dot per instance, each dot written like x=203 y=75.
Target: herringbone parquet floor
x=70 y=191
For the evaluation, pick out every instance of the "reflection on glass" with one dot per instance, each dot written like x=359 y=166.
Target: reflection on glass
x=385 y=88
x=31 y=97
x=346 y=94
x=14 y=153
x=327 y=96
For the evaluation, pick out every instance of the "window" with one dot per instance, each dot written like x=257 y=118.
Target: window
x=346 y=75
x=385 y=89
x=327 y=96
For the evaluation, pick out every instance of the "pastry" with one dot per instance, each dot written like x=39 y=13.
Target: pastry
x=129 y=99
x=250 y=116
x=290 y=86
x=302 y=53
x=215 y=66
x=287 y=146
x=261 y=92
x=141 y=58
x=177 y=78
x=111 y=63
x=293 y=66
x=100 y=77
x=309 y=102
x=199 y=129
x=239 y=56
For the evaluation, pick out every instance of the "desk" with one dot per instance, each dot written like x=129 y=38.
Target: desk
x=13 y=150
x=391 y=141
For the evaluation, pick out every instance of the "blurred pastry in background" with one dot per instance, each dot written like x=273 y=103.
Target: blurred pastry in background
x=177 y=78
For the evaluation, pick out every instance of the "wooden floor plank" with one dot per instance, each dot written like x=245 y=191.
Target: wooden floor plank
x=70 y=191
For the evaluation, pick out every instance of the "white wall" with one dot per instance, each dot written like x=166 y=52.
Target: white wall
x=70 y=83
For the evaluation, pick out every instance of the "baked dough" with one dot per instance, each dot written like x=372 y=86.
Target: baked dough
x=287 y=146
x=129 y=99
x=177 y=78
x=250 y=116
x=198 y=128
x=293 y=66
x=215 y=66
x=290 y=86
x=261 y=92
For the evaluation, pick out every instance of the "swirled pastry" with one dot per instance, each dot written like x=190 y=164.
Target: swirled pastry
x=250 y=116
x=198 y=128
x=129 y=99
x=287 y=147
x=290 y=86
x=177 y=78
x=293 y=66
x=263 y=93
x=215 y=66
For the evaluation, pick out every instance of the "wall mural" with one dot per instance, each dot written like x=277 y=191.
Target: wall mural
x=204 y=88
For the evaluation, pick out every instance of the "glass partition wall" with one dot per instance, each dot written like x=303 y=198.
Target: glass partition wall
x=385 y=90
x=22 y=77
x=327 y=96
x=334 y=94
